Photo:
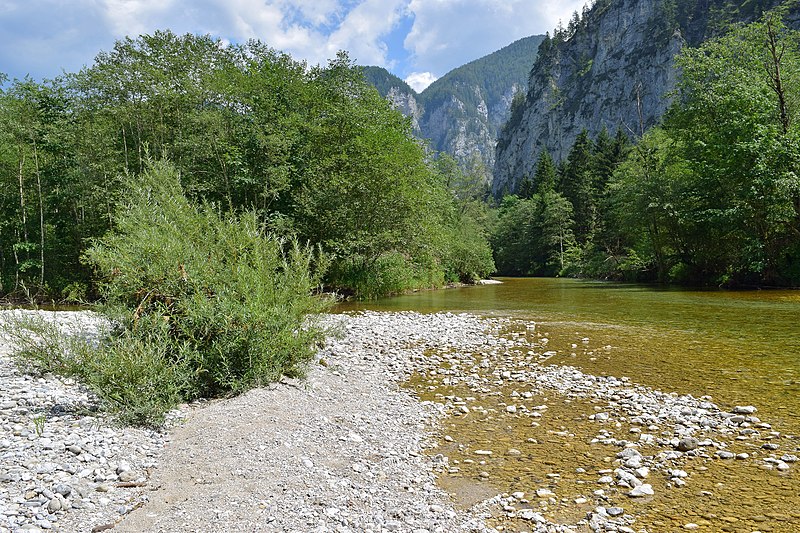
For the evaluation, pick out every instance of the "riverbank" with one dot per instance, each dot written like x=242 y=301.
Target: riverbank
x=349 y=449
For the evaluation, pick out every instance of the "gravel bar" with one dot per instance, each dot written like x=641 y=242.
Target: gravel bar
x=343 y=450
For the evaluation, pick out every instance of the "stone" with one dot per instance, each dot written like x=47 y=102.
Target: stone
x=128 y=476
x=744 y=410
x=64 y=490
x=54 y=505
x=628 y=479
x=633 y=462
x=687 y=444
x=641 y=490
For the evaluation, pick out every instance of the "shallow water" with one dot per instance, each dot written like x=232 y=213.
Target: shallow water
x=740 y=348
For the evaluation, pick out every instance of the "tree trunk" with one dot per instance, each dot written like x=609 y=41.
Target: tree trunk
x=41 y=213
x=774 y=71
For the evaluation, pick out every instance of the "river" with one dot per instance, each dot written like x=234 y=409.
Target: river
x=737 y=347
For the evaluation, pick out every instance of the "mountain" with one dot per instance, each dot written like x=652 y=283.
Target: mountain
x=611 y=68
x=402 y=96
x=462 y=112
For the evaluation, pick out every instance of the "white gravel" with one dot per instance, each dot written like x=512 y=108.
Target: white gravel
x=341 y=451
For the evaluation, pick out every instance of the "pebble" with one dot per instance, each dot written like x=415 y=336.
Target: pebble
x=47 y=457
x=671 y=419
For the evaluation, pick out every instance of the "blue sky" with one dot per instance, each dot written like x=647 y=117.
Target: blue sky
x=418 y=40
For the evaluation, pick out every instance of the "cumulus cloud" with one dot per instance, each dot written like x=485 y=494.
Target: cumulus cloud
x=42 y=37
x=449 y=33
x=363 y=28
x=420 y=80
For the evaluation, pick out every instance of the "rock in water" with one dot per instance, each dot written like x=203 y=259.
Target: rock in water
x=641 y=490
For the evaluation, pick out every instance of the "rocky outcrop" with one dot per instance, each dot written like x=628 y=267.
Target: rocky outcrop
x=406 y=103
x=614 y=68
x=613 y=72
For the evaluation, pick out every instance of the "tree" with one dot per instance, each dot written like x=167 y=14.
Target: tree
x=735 y=126
x=576 y=185
x=647 y=203
x=546 y=175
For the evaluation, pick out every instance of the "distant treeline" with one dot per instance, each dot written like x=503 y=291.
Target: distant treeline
x=314 y=152
x=712 y=196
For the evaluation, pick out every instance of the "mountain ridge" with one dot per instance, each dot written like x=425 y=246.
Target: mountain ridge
x=462 y=112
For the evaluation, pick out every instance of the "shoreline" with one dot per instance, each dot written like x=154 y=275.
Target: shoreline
x=346 y=449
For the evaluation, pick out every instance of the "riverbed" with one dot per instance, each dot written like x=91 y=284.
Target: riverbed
x=729 y=348
x=574 y=406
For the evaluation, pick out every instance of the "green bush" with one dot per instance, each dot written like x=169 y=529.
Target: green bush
x=468 y=256
x=203 y=305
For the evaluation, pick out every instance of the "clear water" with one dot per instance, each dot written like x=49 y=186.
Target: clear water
x=740 y=348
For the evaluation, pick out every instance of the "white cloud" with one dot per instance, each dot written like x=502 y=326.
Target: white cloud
x=420 y=80
x=362 y=30
x=44 y=36
x=449 y=33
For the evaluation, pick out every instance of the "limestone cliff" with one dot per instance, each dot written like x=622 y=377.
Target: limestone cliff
x=611 y=68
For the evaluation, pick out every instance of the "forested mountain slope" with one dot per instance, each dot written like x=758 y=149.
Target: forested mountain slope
x=461 y=112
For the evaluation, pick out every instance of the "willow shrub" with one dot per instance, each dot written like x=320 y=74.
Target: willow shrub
x=205 y=305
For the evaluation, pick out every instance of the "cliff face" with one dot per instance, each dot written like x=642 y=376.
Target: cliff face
x=613 y=69
x=406 y=102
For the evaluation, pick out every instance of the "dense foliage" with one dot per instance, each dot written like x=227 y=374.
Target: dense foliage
x=712 y=196
x=561 y=219
x=384 y=81
x=315 y=153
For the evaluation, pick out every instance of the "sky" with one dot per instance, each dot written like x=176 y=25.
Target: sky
x=417 y=40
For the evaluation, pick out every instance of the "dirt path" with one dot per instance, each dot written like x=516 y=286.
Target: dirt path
x=340 y=451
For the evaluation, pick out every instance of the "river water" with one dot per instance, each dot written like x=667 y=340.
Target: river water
x=739 y=348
